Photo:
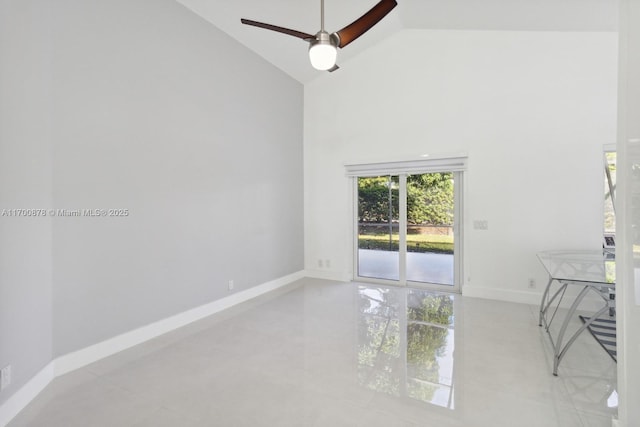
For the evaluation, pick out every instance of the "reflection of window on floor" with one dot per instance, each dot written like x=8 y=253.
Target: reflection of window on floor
x=406 y=343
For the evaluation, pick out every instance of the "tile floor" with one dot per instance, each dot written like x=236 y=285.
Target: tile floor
x=321 y=353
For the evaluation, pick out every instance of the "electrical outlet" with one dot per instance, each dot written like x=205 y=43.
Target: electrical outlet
x=320 y=263
x=481 y=224
x=231 y=285
x=327 y=263
x=5 y=377
x=532 y=283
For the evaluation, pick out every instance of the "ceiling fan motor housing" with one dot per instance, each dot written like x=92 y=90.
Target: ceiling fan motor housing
x=322 y=37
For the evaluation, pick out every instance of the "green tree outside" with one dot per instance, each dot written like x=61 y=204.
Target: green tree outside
x=430 y=202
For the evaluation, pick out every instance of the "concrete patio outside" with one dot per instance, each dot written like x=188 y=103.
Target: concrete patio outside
x=421 y=267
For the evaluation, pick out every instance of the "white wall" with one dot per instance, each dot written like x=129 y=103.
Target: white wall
x=628 y=219
x=531 y=109
x=25 y=183
x=139 y=105
x=158 y=112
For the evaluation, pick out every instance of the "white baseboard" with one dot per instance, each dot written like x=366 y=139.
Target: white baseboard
x=508 y=295
x=338 y=276
x=21 y=398
x=591 y=301
x=78 y=359
x=88 y=355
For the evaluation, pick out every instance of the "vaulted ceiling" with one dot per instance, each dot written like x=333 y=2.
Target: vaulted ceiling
x=290 y=53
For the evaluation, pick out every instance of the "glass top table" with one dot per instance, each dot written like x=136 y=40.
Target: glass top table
x=580 y=266
x=591 y=271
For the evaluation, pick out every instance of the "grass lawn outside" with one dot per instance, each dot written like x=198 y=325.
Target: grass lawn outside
x=415 y=243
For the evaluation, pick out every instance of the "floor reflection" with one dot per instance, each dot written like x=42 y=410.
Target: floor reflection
x=406 y=343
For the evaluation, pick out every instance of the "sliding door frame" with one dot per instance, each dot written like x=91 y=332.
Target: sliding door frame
x=455 y=165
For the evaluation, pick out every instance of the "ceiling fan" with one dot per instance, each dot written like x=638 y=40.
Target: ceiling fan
x=323 y=47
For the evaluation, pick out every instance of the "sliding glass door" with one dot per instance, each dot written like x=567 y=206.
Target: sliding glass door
x=407 y=228
x=430 y=228
x=378 y=227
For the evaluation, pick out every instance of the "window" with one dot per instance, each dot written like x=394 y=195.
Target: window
x=610 y=158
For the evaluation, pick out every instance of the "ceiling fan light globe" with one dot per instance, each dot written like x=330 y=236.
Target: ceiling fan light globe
x=323 y=56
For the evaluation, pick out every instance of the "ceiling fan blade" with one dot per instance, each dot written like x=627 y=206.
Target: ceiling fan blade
x=283 y=30
x=365 y=22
